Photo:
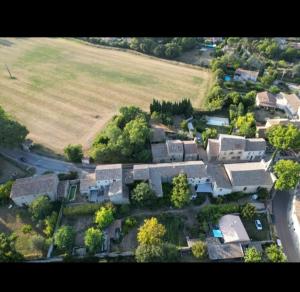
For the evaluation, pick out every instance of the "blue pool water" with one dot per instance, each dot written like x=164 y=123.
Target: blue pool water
x=227 y=78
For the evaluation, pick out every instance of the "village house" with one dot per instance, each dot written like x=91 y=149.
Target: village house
x=261 y=130
x=106 y=184
x=156 y=174
x=245 y=75
x=174 y=151
x=25 y=190
x=230 y=147
x=290 y=103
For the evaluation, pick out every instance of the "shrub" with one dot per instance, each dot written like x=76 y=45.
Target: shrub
x=27 y=229
x=275 y=254
x=5 y=192
x=122 y=210
x=104 y=217
x=93 y=240
x=143 y=195
x=263 y=193
x=40 y=207
x=50 y=223
x=129 y=223
x=248 y=211
x=64 y=238
x=74 y=153
x=199 y=250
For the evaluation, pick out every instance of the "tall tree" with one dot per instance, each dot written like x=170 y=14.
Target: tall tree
x=74 y=152
x=181 y=192
x=143 y=195
x=40 y=207
x=288 y=173
x=104 y=217
x=246 y=125
x=5 y=192
x=93 y=239
x=8 y=252
x=151 y=232
x=64 y=238
x=12 y=133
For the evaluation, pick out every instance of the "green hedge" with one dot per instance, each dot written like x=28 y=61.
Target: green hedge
x=212 y=213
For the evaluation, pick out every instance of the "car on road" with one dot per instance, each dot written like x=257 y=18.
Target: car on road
x=279 y=242
x=23 y=159
x=258 y=224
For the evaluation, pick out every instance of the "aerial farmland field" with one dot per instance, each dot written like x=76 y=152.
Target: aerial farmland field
x=64 y=91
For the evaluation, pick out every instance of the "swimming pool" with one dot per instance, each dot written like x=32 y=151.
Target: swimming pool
x=227 y=78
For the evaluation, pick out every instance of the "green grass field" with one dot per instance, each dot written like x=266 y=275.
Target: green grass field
x=65 y=91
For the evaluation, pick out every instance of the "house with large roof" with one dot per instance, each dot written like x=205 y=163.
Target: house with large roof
x=245 y=75
x=174 y=151
x=266 y=100
x=25 y=190
x=230 y=147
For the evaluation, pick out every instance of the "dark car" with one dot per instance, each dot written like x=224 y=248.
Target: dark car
x=23 y=159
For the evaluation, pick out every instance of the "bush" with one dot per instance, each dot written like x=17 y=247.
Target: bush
x=64 y=238
x=128 y=224
x=40 y=208
x=5 y=192
x=212 y=213
x=50 y=223
x=104 y=217
x=142 y=195
x=199 y=250
x=263 y=193
x=199 y=200
x=68 y=176
x=248 y=211
x=74 y=153
x=122 y=210
x=38 y=242
x=27 y=229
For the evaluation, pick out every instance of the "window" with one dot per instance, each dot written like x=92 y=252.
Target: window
x=207 y=180
x=230 y=152
x=245 y=188
x=240 y=152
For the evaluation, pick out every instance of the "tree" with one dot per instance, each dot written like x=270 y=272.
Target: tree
x=74 y=153
x=138 y=131
x=93 y=239
x=209 y=133
x=151 y=232
x=233 y=97
x=163 y=252
x=246 y=125
x=232 y=112
x=64 y=238
x=284 y=137
x=8 y=252
x=199 y=250
x=274 y=89
x=248 y=211
x=290 y=54
x=296 y=70
x=40 y=207
x=172 y=50
x=181 y=193
x=240 y=109
x=104 y=217
x=5 y=192
x=50 y=223
x=252 y=255
x=275 y=254
x=143 y=195
x=263 y=193
x=12 y=133
x=288 y=173
x=249 y=98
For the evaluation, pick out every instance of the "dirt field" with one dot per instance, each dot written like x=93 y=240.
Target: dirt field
x=64 y=91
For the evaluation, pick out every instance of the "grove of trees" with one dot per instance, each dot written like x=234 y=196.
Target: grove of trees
x=74 y=153
x=125 y=139
x=288 y=174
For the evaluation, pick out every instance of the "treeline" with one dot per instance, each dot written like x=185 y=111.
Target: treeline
x=168 y=48
x=12 y=133
x=183 y=107
x=125 y=138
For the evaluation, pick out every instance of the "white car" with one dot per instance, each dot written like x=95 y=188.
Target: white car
x=258 y=224
x=279 y=242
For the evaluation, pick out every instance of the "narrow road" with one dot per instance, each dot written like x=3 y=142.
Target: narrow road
x=281 y=210
x=40 y=163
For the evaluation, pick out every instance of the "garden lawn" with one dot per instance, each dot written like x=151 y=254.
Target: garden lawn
x=254 y=234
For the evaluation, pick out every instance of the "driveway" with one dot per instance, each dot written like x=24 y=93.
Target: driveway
x=281 y=210
x=40 y=163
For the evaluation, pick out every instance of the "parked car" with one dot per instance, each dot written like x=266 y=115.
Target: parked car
x=258 y=224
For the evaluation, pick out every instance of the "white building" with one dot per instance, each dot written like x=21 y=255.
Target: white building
x=245 y=75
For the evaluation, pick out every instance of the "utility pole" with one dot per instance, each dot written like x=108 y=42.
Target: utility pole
x=9 y=72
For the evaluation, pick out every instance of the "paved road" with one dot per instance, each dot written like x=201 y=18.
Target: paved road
x=281 y=210
x=40 y=163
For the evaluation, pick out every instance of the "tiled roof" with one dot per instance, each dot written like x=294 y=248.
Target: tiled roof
x=158 y=134
x=108 y=171
x=255 y=144
x=293 y=101
x=225 y=251
x=219 y=175
x=241 y=71
x=174 y=147
x=231 y=142
x=190 y=147
x=267 y=99
x=248 y=174
x=36 y=185
x=214 y=147
x=159 y=151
